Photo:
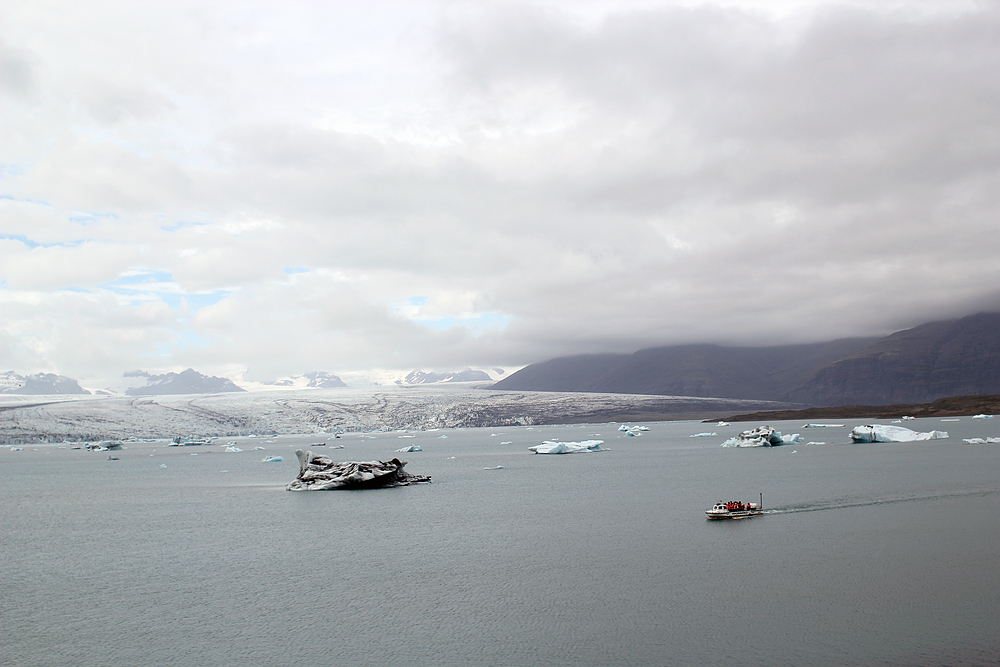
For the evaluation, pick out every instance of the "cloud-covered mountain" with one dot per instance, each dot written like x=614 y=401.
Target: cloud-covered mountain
x=186 y=382
x=467 y=375
x=931 y=361
x=38 y=384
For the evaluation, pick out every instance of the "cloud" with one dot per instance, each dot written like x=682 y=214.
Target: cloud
x=547 y=178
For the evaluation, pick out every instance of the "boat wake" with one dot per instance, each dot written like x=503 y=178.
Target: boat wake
x=845 y=503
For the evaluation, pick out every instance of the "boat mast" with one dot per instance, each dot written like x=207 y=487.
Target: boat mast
x=762 y=500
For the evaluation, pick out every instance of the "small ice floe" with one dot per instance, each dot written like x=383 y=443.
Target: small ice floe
x=795 y=451
x=982 y=416
x=258 y=447
x=337 y=447
x=950 y=420
x=407 y=436
x=442 y=437
x=883 y=433
x=194 y=454
x=272 y=459
x=723 y=424
x=233 y=448
x=823 y=426
x=411 y=448
x=906 y=419
x=623 y=427
x=814 y=443
x=703 y=435
x=981 y=441
x=451 y=457
x=493 y=468
x=223 y=471
x=762 y=436
x=506 y=442
x=553 y=447
x=17 y=449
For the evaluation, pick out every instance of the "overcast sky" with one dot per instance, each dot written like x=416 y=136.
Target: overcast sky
x=260 y=189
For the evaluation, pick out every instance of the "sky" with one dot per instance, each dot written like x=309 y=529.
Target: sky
x=261 y=189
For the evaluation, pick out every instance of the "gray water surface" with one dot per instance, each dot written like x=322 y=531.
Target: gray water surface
x=877 y=554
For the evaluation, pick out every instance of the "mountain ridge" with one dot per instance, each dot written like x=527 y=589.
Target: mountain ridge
x=918 y=365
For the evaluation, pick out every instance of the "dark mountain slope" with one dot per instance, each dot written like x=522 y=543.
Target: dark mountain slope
x=919 y=365
x=686 y=370
x=931 y=361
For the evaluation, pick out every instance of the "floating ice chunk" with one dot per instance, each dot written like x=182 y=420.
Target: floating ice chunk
x=272 y=459
x=703 y=435
x=823 y=426
x=411 y=448
x=442 y=437
x=506 y=442
x=883 y=433
x=550 y=447
x=233 y=448
x=982 y=416
x=950 y=420
x=494 y=468
x=623 y=427
x=981 y=441
x=792 y=439
x=762 y=436
x=905 y=419
x=723 y=424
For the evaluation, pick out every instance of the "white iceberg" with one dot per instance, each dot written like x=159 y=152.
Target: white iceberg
x=272 y=459
x=823 y=426
x=233 y=448
x=982 y=416
x=411 y=448
x=883 y=433
x=762 y=436
x=703 y=435
x=550 y=447
x=981 y=441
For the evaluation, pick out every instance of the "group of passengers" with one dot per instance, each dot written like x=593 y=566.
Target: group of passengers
x=735 y=506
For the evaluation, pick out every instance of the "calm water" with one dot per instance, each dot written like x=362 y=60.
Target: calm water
x=878 y=554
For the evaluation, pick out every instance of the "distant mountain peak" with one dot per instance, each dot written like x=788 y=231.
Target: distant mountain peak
x=467 y=375
x=188 y=381
x=38 y=384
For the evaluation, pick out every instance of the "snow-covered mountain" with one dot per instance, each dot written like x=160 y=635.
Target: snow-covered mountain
x=186 y=382
x=467 y=375
x=38 y=384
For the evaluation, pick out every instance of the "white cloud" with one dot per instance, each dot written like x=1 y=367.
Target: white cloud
x=550 y=177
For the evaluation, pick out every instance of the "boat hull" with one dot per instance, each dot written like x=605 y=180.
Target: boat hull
x=718 y=516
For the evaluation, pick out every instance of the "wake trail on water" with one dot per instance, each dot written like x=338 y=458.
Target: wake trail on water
x=846 y=503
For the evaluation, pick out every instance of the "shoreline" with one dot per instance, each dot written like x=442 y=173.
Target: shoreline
x=954 y=406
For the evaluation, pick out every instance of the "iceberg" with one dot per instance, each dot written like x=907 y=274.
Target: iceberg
x=981 y=441
x=272 y=459
x=550 y=447
x=823 y=426
x=320 y=473
x=233 y=448
x=883 y=433
x=982 y=416
x=762 y=436
x=411 y=448
x=703 y=435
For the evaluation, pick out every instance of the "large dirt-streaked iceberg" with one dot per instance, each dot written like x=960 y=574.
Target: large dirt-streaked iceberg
x=321 y=473
x=883 y=433
x=762 y=436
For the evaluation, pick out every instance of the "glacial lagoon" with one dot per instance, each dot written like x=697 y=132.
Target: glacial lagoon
x=870 y=554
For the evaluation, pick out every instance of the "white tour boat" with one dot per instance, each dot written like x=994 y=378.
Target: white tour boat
x=735 y=509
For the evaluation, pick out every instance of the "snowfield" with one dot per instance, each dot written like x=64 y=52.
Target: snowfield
x=58 y=418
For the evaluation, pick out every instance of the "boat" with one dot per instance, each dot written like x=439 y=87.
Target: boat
x=735 y=509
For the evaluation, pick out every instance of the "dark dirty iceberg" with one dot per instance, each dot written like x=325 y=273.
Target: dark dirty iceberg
x=321 y=473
